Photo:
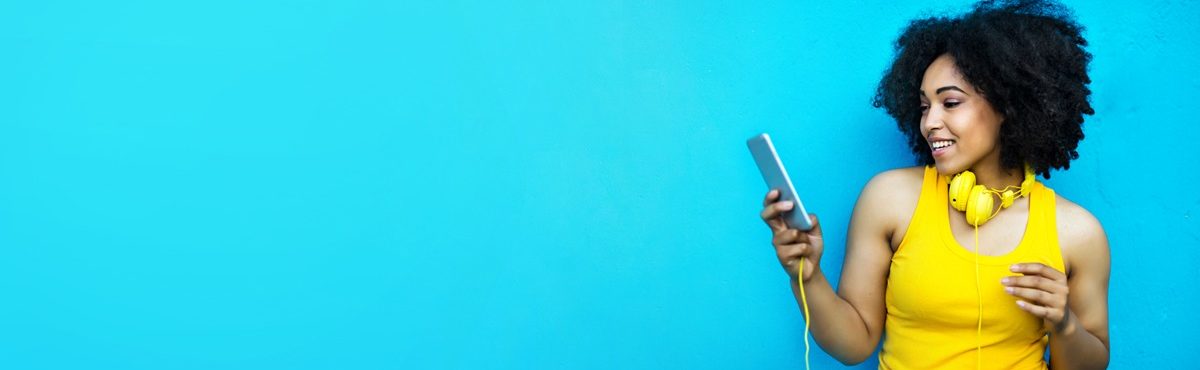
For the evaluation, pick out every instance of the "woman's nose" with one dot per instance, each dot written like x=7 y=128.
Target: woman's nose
x=930 y=122
x=932 y=119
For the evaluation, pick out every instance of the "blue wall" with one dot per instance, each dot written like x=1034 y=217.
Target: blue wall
x=383 y=185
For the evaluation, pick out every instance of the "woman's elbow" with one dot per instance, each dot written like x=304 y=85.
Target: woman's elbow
x=853 y=358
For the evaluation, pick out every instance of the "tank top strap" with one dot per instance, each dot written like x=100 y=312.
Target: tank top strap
x=925 y=216
x=1045 y=228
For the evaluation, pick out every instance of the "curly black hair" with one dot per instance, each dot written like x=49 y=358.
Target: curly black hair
x=1027 y=59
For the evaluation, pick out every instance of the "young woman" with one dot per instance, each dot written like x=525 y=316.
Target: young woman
x=1001 y=92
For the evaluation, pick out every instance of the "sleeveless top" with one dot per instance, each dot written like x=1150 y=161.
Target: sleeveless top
x=931 y=297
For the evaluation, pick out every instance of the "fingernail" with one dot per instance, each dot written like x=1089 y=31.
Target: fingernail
x=1004 y=281
x=786 y=205
x=1013 y=267
x=1009 y=290
x=1021 y=303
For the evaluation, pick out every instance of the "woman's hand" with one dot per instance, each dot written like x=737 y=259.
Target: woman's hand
x=791 y=244
x=1044 y=291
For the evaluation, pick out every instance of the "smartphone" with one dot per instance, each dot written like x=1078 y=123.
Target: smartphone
x=777 y=178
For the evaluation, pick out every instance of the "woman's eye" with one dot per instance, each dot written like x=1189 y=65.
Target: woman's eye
x=924 y=107
x=951 y=104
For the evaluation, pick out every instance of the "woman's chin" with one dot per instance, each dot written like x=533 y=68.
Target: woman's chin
x=946 y=169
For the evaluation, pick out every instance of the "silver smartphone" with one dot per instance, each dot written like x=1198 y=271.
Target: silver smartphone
x=777 y=178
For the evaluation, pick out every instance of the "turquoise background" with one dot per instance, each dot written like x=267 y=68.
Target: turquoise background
x=445 y=184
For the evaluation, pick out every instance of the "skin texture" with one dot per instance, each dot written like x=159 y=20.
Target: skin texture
x=1073 y=304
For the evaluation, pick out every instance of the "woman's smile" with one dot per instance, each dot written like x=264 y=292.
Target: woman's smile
x=941 y=147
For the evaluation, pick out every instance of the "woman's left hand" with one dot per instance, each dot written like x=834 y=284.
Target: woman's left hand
x=1044 y=293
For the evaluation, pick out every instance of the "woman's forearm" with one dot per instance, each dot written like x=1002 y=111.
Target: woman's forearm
x=837 y=326
x=1076 y=348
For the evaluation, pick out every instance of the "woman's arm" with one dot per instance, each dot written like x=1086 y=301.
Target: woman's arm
x=1082 y=342
x=848 y=324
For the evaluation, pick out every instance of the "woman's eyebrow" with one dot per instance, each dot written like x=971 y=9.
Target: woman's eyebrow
x=951 y=87
x=944 y=88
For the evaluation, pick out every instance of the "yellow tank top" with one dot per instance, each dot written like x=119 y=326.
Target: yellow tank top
x=932 y=303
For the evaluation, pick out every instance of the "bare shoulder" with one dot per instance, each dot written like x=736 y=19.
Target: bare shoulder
x=891 y=187
x=890 y=198
x=1080 y=234
x=904 y=176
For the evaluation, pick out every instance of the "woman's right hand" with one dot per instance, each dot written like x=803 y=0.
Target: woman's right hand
x=792 y=244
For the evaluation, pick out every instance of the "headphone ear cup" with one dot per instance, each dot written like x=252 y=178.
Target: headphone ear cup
x=960 y=189
x=979 y=205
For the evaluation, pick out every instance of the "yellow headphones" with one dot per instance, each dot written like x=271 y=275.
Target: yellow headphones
x=977 y=200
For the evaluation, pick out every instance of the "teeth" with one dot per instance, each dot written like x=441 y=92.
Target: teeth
x=941 y=144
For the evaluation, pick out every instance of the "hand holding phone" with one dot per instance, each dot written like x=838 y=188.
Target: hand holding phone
x=792 y=245
x=777 y=178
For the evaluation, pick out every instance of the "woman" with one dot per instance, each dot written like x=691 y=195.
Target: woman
x=991 y=92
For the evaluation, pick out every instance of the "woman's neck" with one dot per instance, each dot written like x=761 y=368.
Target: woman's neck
x=989 y=173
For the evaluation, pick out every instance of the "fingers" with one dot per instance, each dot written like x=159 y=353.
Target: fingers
x=1040 y=270
x=770 y=214
x=789 y=254
x=1035 y=282
x=792 y=236
x=1038 y=297
x=1041 y=285
x=816 y=229
x=1054 y=316
x=1042 y=289
x=1040 y=311
x=788 y=236
x=771 y=197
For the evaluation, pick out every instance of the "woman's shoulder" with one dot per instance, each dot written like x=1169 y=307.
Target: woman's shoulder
x=1080 y=233
x=1074 y=221
x=890 y=198
x=897 y=180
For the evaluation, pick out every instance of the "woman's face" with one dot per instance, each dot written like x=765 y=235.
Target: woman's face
x=953 y=113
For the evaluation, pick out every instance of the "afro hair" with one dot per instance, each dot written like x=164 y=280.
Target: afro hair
x=1027 y=58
